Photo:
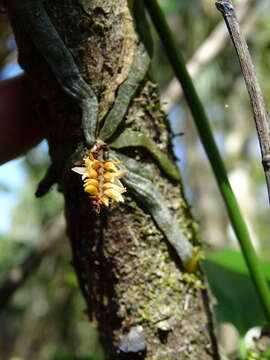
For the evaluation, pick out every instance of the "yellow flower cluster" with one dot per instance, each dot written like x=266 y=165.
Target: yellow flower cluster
x=101 y=180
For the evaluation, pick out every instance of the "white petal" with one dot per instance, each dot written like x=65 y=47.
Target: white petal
x=79 y=170
x=118 y=182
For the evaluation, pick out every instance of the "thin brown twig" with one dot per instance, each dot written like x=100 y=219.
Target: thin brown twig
x=252 y=84
x=206 y=52
x=17 y=276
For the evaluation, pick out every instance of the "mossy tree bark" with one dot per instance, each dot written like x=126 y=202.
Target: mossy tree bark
x=135 y=288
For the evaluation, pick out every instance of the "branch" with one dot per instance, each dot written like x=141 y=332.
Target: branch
x=208 y=50
x=252 y=84
x=19 y=274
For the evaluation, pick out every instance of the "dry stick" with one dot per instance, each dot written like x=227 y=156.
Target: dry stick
x=206 y=52
x=20 y=273
x=255 y=93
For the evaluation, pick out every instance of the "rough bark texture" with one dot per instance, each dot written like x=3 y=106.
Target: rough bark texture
x=128 y=274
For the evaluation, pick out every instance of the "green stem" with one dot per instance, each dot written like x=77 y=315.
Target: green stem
x=210 y=147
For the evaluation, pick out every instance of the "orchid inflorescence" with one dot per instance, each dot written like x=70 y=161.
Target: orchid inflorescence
x=101 y=180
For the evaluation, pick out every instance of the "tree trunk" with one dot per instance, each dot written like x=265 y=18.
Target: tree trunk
x=144 y=304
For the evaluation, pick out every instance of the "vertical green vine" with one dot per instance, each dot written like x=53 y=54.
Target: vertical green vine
x=205 y=133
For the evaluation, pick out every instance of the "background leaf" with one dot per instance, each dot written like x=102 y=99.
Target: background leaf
x=237 y=300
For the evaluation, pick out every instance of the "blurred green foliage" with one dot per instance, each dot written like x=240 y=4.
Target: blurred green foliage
x=237 y=301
